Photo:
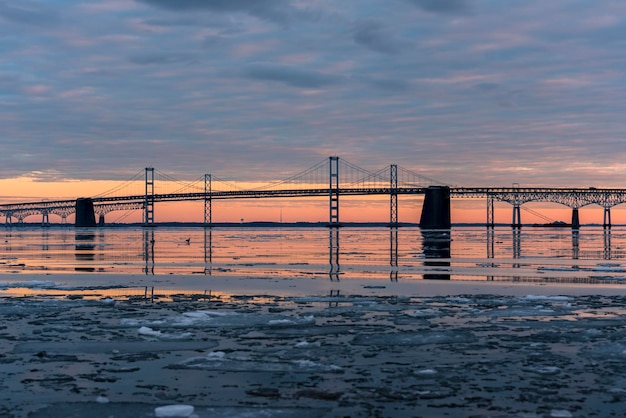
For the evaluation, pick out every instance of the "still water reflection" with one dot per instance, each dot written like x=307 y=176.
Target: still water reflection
x=463 y=253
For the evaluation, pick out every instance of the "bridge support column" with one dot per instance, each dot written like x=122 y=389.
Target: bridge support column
x=517 y=217
x=334 y=192
x=45 y=220
x=575 y=219
x=393 y=187
x=148 y=216
x=490 y=214
x=607 y=218
x=101 y=219
x=208 y=201
x=85 y=216
x=436 y=209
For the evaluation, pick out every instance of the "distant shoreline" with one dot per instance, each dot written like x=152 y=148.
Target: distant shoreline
x=270 y=224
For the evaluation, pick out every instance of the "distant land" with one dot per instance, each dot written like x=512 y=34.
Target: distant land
x=270 y=224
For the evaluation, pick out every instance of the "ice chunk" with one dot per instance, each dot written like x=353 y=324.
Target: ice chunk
x=216 y=355
x=423 y=313
x=149 y=331
x=173 y=411
x=547 y=298
x=305 y=344
x=163 y=336
x=416 y=338
x=217 y=319
x=560 y=413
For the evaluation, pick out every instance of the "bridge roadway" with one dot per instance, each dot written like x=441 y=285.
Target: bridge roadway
x=573 y=198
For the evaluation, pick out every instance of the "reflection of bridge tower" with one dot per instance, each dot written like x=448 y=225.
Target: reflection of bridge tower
x=393 y=253
x=334 y=191
x=148 y=251
x=148 y=218
x=208 y=251
x=333 y=254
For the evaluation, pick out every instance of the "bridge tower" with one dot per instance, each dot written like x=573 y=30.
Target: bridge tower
x=45 y=220
x=208 y=201
x=148 y=216
x=334 y=192
x=393 y=195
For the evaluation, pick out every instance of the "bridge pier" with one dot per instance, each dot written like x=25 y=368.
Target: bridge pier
x=607 y=218
x=517 y=217
x=45 y=219
x=85 y=216
x=436 y=209
x=575 y=219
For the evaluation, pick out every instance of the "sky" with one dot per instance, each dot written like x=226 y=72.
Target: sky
x=468 y=92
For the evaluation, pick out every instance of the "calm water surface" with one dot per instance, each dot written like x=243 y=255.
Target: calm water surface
x=464 y=253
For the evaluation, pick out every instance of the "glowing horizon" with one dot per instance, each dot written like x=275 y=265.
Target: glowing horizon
x=288 y=210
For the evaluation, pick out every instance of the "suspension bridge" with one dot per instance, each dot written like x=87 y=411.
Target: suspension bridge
x=332 y=178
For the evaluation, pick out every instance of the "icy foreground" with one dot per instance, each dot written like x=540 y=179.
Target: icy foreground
x=314 y=356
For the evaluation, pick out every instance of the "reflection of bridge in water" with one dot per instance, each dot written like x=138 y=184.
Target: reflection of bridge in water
x=330 y=178
x=436 y=251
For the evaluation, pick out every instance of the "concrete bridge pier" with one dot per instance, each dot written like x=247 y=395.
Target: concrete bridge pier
x=85 y=216
x=101 y=219
x=436 y=209
x=607 y=218
x=575 y=219
x=517 y=217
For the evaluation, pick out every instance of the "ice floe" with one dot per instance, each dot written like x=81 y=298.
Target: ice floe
x=171 y=411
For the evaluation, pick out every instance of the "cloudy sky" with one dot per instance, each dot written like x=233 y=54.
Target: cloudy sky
x=471 y=92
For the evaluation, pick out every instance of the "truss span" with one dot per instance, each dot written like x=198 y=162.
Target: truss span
x=329 y=178
x=574 y=198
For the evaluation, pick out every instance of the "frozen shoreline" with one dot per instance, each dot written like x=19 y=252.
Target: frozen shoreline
x=310 y=348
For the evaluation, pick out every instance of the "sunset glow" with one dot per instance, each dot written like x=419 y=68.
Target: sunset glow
x=469 y=92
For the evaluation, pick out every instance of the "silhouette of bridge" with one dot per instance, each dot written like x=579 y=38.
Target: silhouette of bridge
x=332 y=177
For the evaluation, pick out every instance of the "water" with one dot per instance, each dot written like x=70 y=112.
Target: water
x=227 y=322
x=592 y=255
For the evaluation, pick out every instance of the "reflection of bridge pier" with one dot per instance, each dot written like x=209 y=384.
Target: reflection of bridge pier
x=575 y=244
x=148 y=250
x=208 y=251
x=436 y=246
x=393 y=253
x=85 y=247
x=517 y=246
x=607 y=255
